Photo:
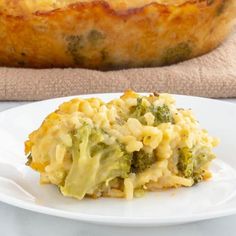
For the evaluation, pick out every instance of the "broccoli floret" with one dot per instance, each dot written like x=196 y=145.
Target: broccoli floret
x=95 y=36
x=185 y=164
x=162 y=113
x=141 y=161
x=74 y=47
x=191 y=166
x=94 y=162
x=180 y=52
x=29 y=160
x=139 y=109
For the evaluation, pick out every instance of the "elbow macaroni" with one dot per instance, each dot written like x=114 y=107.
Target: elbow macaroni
x=133 y=127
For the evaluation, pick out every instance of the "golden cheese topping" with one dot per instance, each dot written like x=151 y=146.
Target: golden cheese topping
x=48 y=5
x=111 y=34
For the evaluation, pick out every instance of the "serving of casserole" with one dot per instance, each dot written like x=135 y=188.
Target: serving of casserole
x=110 y=34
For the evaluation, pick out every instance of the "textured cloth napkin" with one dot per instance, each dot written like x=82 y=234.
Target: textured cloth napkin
x=211 y=75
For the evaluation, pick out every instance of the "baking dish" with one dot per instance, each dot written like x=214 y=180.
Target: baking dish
x=110 y=34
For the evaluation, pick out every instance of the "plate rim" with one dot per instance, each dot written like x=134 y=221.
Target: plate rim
x=113 y=220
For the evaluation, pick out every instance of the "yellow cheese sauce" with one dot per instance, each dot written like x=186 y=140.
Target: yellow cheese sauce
x=134 y=143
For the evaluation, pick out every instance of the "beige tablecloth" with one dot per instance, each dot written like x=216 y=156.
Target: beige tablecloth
x=211 y=75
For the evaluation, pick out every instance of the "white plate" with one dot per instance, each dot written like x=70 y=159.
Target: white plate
x=19 y=185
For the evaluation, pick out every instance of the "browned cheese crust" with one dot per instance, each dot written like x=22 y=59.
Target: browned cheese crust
x=96 y=35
